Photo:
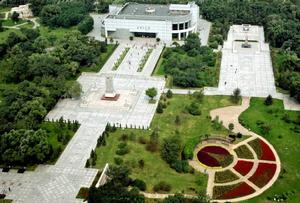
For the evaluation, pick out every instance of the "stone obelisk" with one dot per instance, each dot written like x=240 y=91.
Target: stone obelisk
x=110 y=93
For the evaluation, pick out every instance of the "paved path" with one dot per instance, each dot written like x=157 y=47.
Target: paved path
x=230 y=115
x=204 y=29
x=61 y=182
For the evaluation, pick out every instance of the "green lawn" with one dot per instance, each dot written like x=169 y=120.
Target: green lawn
x=159 y=68
x=190 y=130
x=59 y=33
x=286 y=142
x=9 y=22
x=5 y=33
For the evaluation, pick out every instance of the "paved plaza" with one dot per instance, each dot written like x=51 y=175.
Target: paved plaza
x=249 y=69
x=62 y=181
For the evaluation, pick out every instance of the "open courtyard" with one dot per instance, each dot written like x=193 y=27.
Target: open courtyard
x=202 y=142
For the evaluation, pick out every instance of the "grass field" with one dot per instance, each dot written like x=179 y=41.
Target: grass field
x=155 y=169
x=9 y=22
x=57 y=32
x=285 y=139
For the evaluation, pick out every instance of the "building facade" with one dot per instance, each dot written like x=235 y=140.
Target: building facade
x=167 y=22
x=23 y=10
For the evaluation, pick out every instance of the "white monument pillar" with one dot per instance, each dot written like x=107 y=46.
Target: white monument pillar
x=110 y=93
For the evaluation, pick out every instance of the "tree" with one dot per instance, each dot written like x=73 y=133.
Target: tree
x=115 y=190
x=140 y=184
x=1 y=27
x=15 y=16
x=231 y=126
x=236 y=96
x=171 y=149
x=177 y=120
x=23 y=147
x=86 y=25
x=268 y=101
x=192 y=42
x=151 y=92
x=74 y=89
x=194 y=109
x=152 y=145
x=198 y=95
x=141 y=163
x=169 y=94
x=159 y=108
x=49 y=15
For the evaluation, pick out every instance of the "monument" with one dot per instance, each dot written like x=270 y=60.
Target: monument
x=110 y=94
x=246 y=43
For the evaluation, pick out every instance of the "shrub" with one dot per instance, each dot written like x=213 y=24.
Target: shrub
x=236 y=96
x=268 y=101
x=122 y=151
x=86 y=25
x=132 y=136
x=140 y=184
x=159 y=108
x=194 y=109
x=87 y=164
x=118 y=160
x=231 y=126
x=162 y=186
x=177 y=120
x=169 y=94
x=124 y=137
x=142 y=140
x=181 y=166
x=131 y=38
x=141 y=163
x=239 y=135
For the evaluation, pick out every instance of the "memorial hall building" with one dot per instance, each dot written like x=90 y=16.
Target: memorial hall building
x=167 y=22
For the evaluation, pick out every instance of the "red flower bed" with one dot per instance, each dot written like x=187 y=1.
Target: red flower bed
x=215 y=150
x=267 y=153
x=263 y=174
x=243 y=167
x=214 y=156
x=206 y=159
x=242 y=190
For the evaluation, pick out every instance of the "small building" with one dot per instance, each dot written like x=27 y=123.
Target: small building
x=24 y=11
x=167 y=22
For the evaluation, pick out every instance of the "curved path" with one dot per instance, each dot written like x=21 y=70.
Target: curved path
x=230 y=115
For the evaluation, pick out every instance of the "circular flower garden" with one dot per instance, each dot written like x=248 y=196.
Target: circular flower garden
x=214 y=156
x=242 y=172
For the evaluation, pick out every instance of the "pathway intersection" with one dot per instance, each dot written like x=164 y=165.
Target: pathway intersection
x=61 y=182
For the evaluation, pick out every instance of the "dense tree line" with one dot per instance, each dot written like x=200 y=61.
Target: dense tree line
x=190 y=65
x=35 y=72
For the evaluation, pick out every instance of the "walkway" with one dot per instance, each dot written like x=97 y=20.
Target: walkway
x=230 y=115
x=61 y=182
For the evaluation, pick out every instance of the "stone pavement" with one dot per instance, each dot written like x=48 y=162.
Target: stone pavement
x=204 y=30
x=249 y=69
x=62 y=181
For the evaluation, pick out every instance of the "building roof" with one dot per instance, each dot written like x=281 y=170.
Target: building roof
x=150 y=10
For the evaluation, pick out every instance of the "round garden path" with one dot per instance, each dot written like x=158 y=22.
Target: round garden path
x=255 y=174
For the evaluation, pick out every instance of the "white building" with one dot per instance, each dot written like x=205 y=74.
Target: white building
x=23 y=10
x=167 y=22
